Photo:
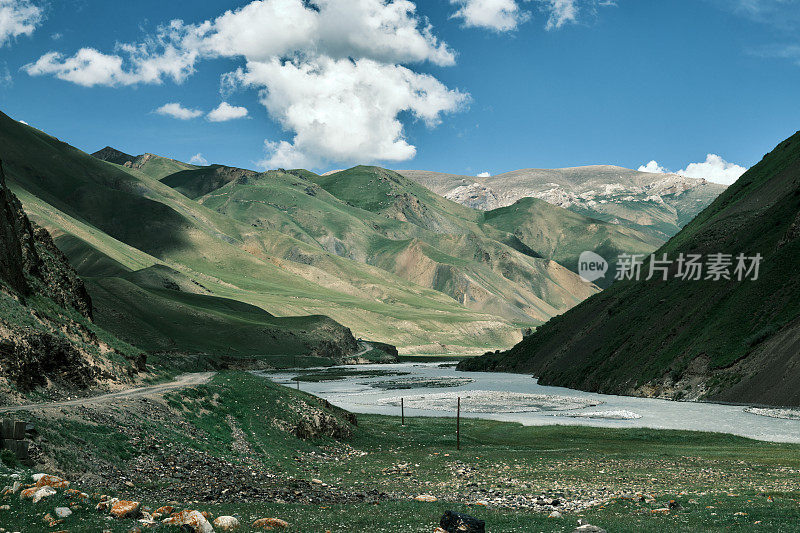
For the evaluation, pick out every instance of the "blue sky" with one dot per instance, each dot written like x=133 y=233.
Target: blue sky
x=467 y=86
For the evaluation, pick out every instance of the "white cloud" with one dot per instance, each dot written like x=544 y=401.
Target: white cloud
x=714 y=169
x=225 y=112
x=18 y=17
x=5 y=76
x=653 y=167
x=198 y=159
x=332 y=72
x=497 y=15
x=176 y=110
x=562 y=12
x=484 y=175
x=344 y=110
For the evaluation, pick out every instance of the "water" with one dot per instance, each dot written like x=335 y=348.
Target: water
x=529 y=403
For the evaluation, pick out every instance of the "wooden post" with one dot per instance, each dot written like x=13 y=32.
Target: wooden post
x=402 y=412
x=458 y=425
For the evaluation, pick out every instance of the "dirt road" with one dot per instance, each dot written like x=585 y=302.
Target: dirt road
x=180 y=382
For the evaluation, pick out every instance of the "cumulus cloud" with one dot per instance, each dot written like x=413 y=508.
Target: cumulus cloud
x=484 y=175
x=176 y=110
x=334 y=73
x=497 y=15
x=653 y=167
x=225 y=112
x=18 y=17
x=714 y=169
x=198 y=159
x=345 y=110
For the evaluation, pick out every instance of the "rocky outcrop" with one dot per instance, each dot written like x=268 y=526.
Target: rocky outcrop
x=31 y=263
x=41 y=344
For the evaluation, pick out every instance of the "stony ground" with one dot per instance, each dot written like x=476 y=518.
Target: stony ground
x=233 y=447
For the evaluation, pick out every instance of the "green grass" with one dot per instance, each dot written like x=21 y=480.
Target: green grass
x=712 y=476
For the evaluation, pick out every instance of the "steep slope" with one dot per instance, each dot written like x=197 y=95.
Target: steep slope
x=116 y=221
x=47 y=338
x=658 y=204
x=724 y=340
x=199 y=182
x=562 y=235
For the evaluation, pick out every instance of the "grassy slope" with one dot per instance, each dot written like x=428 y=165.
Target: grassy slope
x=195 y=183
x=713 y=477
x=742 y=335
x=138 y=221
x=562 y=235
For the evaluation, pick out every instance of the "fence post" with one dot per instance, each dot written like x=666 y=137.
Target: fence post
x=458 y=425
x=402 y=412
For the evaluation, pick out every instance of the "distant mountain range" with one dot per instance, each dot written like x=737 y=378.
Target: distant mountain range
x=656 y=204
x=184 y=260
x=721 y=339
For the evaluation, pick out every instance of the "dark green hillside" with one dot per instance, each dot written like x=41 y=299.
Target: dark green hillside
x=199 y=182
x=725 y=340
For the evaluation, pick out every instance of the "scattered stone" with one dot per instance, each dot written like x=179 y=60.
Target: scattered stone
x=664 y=510
x=105 y=504
x=588 y=528
x=5 y=507
x=125 y=509
x=270 y=523
x=554 y=514
x=226 y=523
x=426 y=498
x=63 y=512
x=37 y=493
x=50 y=521
x=461 y=523
x=46 y=480
x=673 y=504
x=12 y=489
x=191 y=519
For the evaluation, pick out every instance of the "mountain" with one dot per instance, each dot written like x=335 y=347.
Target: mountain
x=153 y=165
x=47 y=338
x=657 y=204
x=124 y=229
x=562 y=235
x=726 y=340
x=105 y=215
x=199 y=182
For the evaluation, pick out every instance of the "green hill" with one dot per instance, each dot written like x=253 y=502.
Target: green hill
x=405 y=230
x=723 y=340
x=562 y=235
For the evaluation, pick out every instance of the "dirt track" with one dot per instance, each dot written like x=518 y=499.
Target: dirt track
x=182 y=381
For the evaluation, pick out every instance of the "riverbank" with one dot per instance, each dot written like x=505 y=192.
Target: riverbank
x=240 y=445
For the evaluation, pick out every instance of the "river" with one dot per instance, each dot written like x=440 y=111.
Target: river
x=429 y=389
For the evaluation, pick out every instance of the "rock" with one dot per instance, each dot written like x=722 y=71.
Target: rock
x=588 y=528
x=426 y=498
x=12 y=489
x=46 y=480
x=191 y=519
x=167 y=509
x=461 y=523
x=673 y=504
x=50 y=521
x=63 y=512
x=226 y=523
x=554 y=514
x=125 y=509
x=105 y=504
x=5 y=507
x=270 y=523
x=664 y=510
x=37 y=493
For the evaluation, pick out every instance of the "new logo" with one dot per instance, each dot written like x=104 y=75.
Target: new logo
x=591 y=266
